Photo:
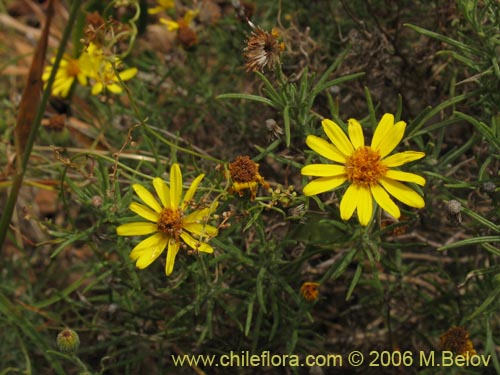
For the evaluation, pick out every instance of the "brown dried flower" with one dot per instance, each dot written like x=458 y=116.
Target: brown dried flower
x=262 y=49
x=456 y=339
x=244 y=174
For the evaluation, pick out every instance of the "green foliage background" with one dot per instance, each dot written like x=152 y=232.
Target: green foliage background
x=397 y=287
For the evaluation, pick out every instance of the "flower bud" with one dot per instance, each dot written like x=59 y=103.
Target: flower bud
x=68 y=341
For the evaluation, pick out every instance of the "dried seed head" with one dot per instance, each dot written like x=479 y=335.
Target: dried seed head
x=453 y=208
x=262 y=49
x=275 y=131
x=489 y=187
x=96 y=201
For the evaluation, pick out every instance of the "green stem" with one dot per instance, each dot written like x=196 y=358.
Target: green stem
x=18 y=179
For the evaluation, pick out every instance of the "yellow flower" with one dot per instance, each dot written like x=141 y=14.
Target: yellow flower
x=69 y=70
x=310 y=291
x=162 y=5
x=368 y=169
x=107 y=79
x=167 y=221
x=100 y=69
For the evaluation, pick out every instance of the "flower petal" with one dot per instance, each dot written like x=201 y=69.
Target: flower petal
x=384 y=201
x=323 y=170
x=147 y=253
x=405 y=176
x=97 y=88
x=383 y=128
x=365 y=206
x=192 y=189
x=387 y=135
x=355 y=133
x=126 y=74
x=114 y=88
x=402 y=193
x=325 y=149
x=196 y=245
x=322 y=184
x=402 y=158
x=146 y=197
x=393 y=138
x=173 y=249
x=349 y=201
x=337 y=137
x=175 y=185
x=150 y=245
x=162 y=191
x=196 y=216
x=201 y=230
x=171 y=25
x=136 y=229
x=144 y=212
x=145 y=244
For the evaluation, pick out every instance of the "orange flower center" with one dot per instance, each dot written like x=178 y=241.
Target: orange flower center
x=170 y=222
x=73 y=68
x=310 y=291
x=243 y=169
x=364 y=168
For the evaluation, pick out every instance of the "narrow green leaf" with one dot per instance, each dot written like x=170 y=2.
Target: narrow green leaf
x=452 y=42
x=337 y=81
x=494 y=227
x=428 y=113
x=248 y=321
x=481 y=127
x=493 y=297
x=354 y=282
x=303 y=86
x=286 y=121
x=269 y=86
x=490 y=347
x=66 y=291
x=399 y=108
x=330 y=69
x=18 y=317
x=260 y=289
x=464 y=60
x=276 y=318
x=470 y=241
x=371 y=108
x=340 y=266
x=255 y=98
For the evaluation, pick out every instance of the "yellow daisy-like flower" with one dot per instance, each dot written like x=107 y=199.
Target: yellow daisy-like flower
x=99 y=68
x=107 y=79
x=70 y=69
x=167 y=221
x=368 y=169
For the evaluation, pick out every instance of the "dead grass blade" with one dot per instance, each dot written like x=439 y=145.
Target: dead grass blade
x=30 y=99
